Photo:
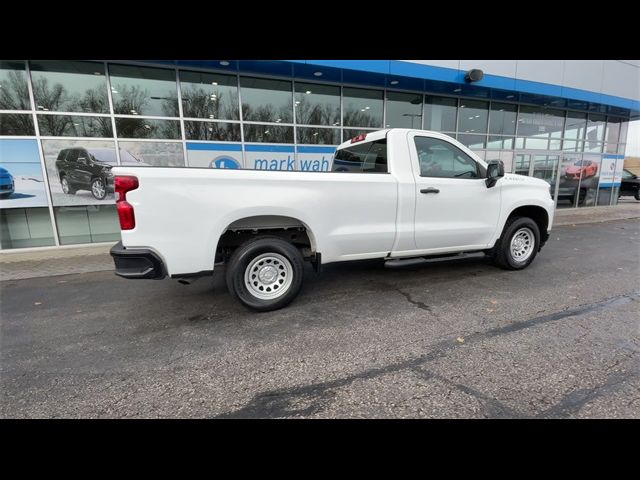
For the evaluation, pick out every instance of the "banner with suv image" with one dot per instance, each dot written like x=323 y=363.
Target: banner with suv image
x=21 y=177
x=80 y=170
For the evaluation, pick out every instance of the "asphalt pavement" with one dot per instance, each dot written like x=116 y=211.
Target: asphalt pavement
x=452 y=339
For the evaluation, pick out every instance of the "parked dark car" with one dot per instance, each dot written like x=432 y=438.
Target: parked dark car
x=90 y=169
x=630 y=185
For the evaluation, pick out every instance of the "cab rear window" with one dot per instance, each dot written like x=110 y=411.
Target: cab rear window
x=369 y=157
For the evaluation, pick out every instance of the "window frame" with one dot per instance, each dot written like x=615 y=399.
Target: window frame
x=480 y=167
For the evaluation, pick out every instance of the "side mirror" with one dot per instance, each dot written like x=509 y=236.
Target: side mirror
x=495 y=171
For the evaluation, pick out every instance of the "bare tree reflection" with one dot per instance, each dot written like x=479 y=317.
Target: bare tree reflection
x=14 y=94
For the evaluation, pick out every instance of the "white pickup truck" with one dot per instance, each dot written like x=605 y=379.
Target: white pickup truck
x=391 y=194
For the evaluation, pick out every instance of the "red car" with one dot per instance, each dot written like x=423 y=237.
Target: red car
x=587 y=168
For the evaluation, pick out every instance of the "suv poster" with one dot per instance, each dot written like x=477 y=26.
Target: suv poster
x=21 y=178
x=79 y=171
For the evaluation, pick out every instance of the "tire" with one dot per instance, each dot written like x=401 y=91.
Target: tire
x=637 y=195
x=502 y=253
x=244 y=266
x=5 y=195
x=66 y=186
x=98 y=188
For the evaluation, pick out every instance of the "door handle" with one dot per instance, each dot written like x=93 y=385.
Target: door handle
x=429 y=190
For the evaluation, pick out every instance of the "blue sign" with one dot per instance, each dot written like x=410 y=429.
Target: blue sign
x=224 y=161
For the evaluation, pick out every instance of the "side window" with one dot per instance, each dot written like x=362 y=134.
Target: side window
x=72 y=156
x=370 y=157
x=439 y=158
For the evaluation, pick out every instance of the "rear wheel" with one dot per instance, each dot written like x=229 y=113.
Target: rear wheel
x=265 y=273
x=518 y=245
x=637 y=195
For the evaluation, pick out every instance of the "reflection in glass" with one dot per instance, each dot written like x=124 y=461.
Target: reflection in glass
x=65 y=86
x=14 y=92
x=268 y=133
x=472 y=141
x=576 y=125
x=318 y=136
x=589 y=179
x=612 y=132
x=154 y=154
x=624 y=128
x=404 y=110
x=317 y=104
x=87 y=224
x=502 y=119
x=148 y=128
x=143 y=91
x=208 y=95
x=74 y=126
x=500 y=143
x=522 y=164
x=474 y=115
x=25 y=227
x=221 y=131
x=16 y=124
x=595 y=133
x=362 y=108
x=266 y=100
x=543 y=127
x=440 y=114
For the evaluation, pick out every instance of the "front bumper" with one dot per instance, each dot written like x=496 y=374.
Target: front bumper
x=137 y=262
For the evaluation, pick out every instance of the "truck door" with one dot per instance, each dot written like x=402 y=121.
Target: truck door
x=454 y=207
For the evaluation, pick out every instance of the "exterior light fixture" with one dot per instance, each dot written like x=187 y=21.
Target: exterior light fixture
x=317 y=74
x=473 y=75
x=394 y=82
x=224 y=63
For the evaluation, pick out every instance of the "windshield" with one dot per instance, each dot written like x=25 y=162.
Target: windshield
x=103 y=155
x=582 y=163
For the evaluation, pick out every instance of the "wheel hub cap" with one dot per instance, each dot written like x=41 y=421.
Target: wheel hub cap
x=268 y=274
x=522 y=244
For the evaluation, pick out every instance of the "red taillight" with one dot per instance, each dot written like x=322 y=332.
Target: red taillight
x=359 y=138
x=125 y=209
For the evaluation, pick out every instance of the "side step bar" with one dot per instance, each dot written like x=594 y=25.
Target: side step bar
x=405 y=262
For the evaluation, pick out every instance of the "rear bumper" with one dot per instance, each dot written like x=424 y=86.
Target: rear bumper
x=137 y=262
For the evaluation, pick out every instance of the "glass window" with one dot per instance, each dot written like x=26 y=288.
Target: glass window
x=14 y=92
x=440 y=114
x=441 y=159
x=369 y=157
x=266 y=100
x=16 y=124
x=522 y=164
x=143 y=91
x=576 y=125
x=595 y=133
x=404 y=110
x=223 y=132
x=148 y=128
x=318 y=136
x=87 y=224
x=500 y=143
x=209 y=95
x=69 y=86
x=268 y=133
x=25 y=227
x=153 y=154
x=612 y=132
x=74 y=126
x=362 y=108
x=572 y=146
x=474 y=116
x=502 y=119
x=317 y=104
x=544 y=127
x=472 y=141
x=624 y=128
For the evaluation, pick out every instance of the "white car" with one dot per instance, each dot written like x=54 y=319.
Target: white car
x=392 y=194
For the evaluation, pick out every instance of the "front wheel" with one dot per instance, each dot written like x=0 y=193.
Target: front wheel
x=265 y=273
x=518 y=245
x=98 y=189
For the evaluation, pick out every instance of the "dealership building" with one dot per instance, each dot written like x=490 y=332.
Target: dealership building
x=64 y=124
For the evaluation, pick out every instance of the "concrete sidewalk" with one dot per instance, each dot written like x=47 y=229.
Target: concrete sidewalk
x=15 y=265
